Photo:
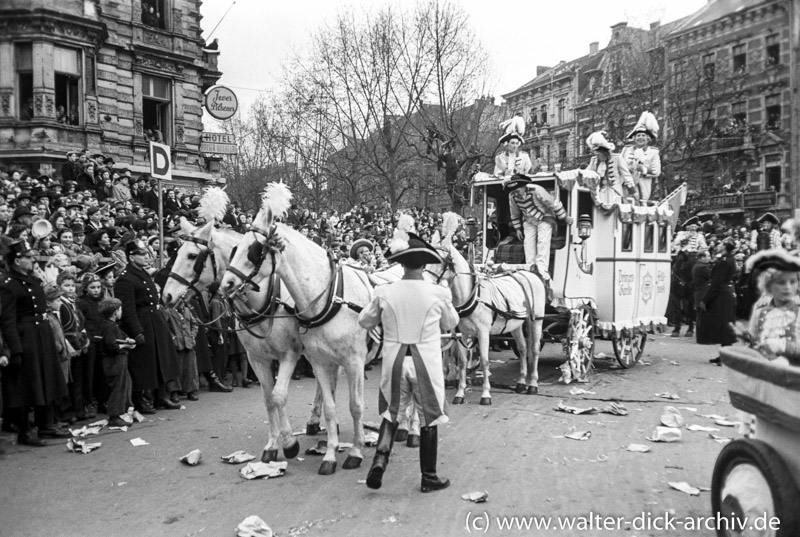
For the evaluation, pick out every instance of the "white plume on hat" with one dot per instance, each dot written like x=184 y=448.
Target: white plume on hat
x=598 y=139
x=514 y=127
x=647 y=123
x=213 y=204
x=277 y=198
x=399 y=242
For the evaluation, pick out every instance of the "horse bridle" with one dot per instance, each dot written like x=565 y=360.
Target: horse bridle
x=199 y=265
x=447 y=264
x=257 y=253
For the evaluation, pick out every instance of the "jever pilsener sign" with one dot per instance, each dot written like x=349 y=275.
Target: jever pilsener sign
x=220 y=102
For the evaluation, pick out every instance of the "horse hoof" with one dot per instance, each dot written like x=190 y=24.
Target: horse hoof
x=532 y=390
x=519 y=388
x=400 y=435
x=269 y=455
x=458 y=400
x=351 y=463
x=327 y=468
x=292 y=451
x=312 y=429
x=486 y=401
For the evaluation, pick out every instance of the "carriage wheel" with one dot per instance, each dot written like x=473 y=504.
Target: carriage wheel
x=628 y=348
x=750 y=481
x=579 y=342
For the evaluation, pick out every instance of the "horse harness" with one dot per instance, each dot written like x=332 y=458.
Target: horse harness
x=199 y=264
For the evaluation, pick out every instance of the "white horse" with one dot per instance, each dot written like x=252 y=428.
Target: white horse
x=326 y=299
x=274 y=335
x=488 y=306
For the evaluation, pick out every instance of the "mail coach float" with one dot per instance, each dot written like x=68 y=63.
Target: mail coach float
x=610 y=268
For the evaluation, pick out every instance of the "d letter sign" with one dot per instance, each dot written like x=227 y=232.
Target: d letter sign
x=220 y=102
x=160 y=165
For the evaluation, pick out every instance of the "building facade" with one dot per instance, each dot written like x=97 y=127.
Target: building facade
x=106 y=76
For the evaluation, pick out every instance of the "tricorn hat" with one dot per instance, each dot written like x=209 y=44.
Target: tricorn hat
x=358 y=244
x=647 y=124
x=598 y=140
x=693 y=221
x=517 y=180
x=510 y=136
x=513 y=128
x=776 y=258
x=769 y=217
x=407 y=248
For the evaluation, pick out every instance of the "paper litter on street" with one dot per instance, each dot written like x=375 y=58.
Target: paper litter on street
x=320 y=449
x=82 y=446
x=665 y=434
x=132 y=416
x=667 y=395
x=124 y=428
x=253 y=526
x=344 y=446
x=139 y=442
x=618 y=409
x=371 y=439
x=719 y=439
x=689 y=408
x=238 y=457
x=637 y=448
x=581 y=391
x=255 y=470
x=192 y=458
x=476 y=496
x=574 y=409
x=98 y=423
x=712 y=416
x=579 y=435
x=702 y=428
x=86 y=431
x=683 y=486
x=671 y=417
x=727 y=423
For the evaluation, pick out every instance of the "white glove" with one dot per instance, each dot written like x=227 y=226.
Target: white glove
x=775 y=345
x=590 y=174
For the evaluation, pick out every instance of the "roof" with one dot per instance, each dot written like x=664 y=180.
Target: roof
x=554 y=72
x=716 y=9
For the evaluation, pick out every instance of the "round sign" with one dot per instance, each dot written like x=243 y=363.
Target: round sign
x=220 y=102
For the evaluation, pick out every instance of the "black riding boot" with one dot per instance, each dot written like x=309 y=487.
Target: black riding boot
x=428 y=447
x=382 y=452
x=215 y=384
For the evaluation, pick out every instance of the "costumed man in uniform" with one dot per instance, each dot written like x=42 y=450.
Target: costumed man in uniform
x=512 y=160
x=413 y=313
x=768 y=235
x=644 y=162
x=33 y=377
x=153 y=362
x=534 y=212
x=690 y=239
x=613 y=178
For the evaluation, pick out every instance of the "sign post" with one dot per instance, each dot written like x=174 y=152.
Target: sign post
x=161 y=169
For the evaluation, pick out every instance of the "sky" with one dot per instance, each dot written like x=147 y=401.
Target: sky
x=257 y=36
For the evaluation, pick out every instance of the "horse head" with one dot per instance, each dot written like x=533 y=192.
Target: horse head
x=195 y=265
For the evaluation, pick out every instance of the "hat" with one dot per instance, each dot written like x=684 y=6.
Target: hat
x=693 y=221
x=135 y=247
x=358 y=244
x=73 y=203
x=39 y=192
x=23 y=196
x=776 y=258
x=517 y=180
x=24 y=184
x=514 y=128
x=92 y=210
x=151 y=240
x=510 y=136
x=84 y=263
x=407 y=248
x=70 y=153
x=97 y=156
x=77 y=228
x=769 y=217
x=103 y=271
x=598 y=140
x=20 y=248
x=52 y=291
x=20 y=212
x=647 y=124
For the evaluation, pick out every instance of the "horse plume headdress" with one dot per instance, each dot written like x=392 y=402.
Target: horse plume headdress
x=450 y=223
x=277 y=198
x=213 y=204
x=399 y=242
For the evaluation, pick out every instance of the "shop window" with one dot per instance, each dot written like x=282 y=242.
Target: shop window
x=649 y=237
x=156 y=108
x=739 y=59
x=773 y=175
x=67 y=73
x=773 y=112
x=773 y=50
x=627 y=237
x=24 y=58
x=153 y=13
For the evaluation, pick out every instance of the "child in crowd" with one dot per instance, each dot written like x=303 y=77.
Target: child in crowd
x=53 y=294
x=87 y=305
x=113 y=351
x=77 y=344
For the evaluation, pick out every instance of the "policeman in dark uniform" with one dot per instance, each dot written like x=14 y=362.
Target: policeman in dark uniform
x=154 y=361
x=33 y=377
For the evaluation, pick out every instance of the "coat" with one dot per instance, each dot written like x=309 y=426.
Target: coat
x=713 y=326
x=155 y=362
x=503 y=167
x=616 y=170
x=26 y=331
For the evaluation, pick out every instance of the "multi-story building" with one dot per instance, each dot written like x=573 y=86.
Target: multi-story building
x=107 y=76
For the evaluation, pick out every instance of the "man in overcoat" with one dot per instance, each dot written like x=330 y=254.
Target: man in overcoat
x=153 y=362
x=33 y=377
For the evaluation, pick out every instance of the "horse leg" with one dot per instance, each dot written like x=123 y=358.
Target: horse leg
x=462 y=358
x=483 y=346
x=519 y=339
x=325 y=374
x=280 y=394
x=312 y=427
x=534 y=345
x=262 y=367
x=355 y=382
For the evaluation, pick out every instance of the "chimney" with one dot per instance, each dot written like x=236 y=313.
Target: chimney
x=594 y=47
x=654 y=25
x=541 y=69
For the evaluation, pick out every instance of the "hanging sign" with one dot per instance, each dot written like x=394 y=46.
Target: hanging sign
x=220 y=102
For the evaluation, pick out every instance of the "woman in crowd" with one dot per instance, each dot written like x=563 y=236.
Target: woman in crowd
x=717 y=306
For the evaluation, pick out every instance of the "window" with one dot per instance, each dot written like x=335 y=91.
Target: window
x=627 y=237
x=585 y=132
x=562 y=152
x=678 y=72
x=773 y=112
x=773 y=174
x=708 y=66
x=156 y=103
x=739 y=115
x=562 y=107
x=739 y=59
x=773 y=50
x=649 y=237
x=24 y=53
x=153 y=13
x=543 y=115
x=663 y=238
x=67 y=72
